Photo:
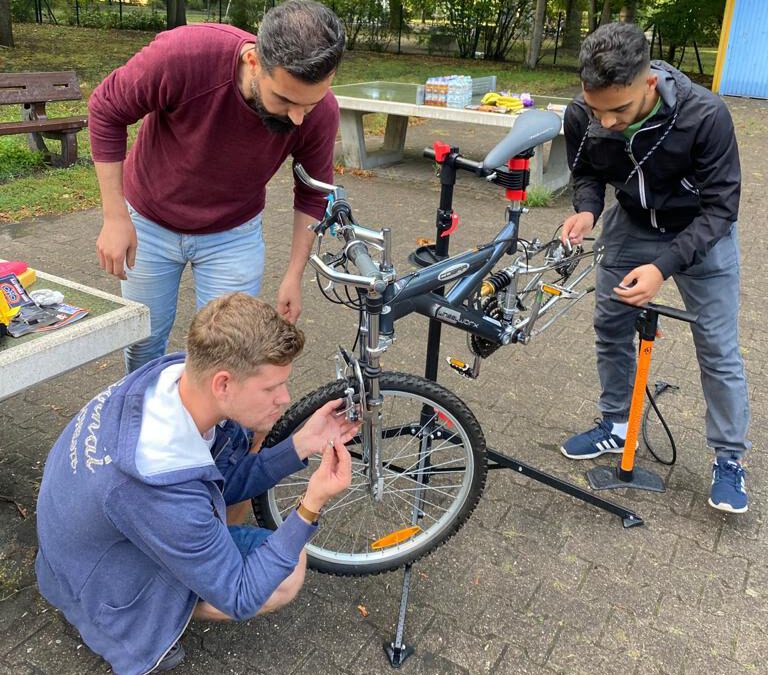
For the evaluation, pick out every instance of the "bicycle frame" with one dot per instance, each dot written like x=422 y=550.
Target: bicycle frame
x=385 y=299
x=416 y=293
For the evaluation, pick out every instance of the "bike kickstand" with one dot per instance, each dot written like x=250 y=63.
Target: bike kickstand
x=396 y=651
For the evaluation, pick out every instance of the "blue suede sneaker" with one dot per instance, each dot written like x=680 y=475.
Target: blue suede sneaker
x=593 y=443
x=727 y=492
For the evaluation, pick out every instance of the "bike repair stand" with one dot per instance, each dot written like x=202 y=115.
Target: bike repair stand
x=626 y=474
x=447 y=222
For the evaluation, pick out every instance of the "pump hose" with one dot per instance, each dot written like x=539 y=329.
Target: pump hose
x=659 y=388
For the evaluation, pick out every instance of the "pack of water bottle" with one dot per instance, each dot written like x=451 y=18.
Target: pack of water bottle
x=452 y=91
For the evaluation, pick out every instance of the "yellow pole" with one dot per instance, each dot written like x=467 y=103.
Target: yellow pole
x=725 y=34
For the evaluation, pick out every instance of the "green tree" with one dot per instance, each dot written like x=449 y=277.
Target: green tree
x=537 y=34
x=572 y=29
x=606 y=14
x=396 y=11
x=361 y=19
x=511 y=19
x=176 y=13
x=244 y=14
x=467 y=19
x=628 y=12
x=681 y=22
x=6 y=26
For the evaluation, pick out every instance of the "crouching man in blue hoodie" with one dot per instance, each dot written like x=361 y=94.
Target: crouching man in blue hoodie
x=132 y=508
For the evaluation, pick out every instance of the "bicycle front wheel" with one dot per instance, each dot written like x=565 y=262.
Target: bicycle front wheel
x=434 y=468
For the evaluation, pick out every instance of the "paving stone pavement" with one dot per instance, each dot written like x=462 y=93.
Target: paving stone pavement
x=536 y=582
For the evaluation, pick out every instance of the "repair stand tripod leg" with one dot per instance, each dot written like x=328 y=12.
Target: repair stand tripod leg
x=397 y=651
x=502 y=461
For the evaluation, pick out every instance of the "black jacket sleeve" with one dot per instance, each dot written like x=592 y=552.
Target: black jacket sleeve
x=718 y=177
x=588 y=187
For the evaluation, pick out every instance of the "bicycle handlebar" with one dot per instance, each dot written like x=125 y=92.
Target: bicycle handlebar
x=371 y=283
x=305 y=178
x=360 y=257
x=461 y=163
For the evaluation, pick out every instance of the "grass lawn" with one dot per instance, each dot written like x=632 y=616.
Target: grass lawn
x=28 y=188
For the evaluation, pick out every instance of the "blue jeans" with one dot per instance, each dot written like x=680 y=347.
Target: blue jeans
x=222 y=262
x=709 y=288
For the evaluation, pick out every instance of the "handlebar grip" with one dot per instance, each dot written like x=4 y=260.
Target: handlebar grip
x=673 y=312
x=663 y=310
x=358 y=254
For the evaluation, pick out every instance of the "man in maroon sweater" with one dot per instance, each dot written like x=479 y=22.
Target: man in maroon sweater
x=221 y=111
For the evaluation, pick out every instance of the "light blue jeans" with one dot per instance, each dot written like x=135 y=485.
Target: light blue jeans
x=222 y=262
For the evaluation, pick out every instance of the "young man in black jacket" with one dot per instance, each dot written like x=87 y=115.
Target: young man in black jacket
x=668 y=148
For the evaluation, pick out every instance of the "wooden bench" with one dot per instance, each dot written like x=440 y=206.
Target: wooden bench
x=32 y=91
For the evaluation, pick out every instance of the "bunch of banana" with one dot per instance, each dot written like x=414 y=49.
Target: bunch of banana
x=494 y=98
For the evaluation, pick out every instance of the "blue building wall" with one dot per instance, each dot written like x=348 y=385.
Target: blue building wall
x=745 y=67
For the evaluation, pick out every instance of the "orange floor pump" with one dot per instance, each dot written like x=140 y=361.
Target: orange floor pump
x=626 y=474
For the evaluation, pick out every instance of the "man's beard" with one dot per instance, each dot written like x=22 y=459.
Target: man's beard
x=274 y=123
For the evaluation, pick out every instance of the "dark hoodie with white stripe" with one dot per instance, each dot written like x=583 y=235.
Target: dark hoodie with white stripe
x=679 y=173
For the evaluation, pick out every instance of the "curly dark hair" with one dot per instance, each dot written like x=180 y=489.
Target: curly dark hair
x=614 y=55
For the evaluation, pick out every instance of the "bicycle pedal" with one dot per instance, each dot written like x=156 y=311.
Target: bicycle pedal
x=463 y=369
x=560 y=291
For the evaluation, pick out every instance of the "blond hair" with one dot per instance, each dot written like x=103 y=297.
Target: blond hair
x=239 y=333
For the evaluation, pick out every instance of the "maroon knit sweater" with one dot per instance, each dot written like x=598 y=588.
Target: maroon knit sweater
x=203 y=157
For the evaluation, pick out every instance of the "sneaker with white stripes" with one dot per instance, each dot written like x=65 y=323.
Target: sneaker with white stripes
x=593 y=443
x=728 y=492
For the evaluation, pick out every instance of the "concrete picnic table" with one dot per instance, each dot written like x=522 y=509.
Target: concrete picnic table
x=400 y=100
x=112 y=323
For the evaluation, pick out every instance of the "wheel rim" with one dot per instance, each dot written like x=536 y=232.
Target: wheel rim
x=352 y=521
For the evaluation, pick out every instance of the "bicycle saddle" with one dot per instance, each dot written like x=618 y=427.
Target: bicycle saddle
x=531 y=129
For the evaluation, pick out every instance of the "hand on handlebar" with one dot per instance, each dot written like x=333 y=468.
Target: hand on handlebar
x=577 y=226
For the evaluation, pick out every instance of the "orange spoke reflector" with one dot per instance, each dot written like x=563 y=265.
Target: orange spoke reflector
x=551 y=289
x=443 y=416
x=395 y=538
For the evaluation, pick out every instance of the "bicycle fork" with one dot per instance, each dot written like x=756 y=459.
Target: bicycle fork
x=371 y=398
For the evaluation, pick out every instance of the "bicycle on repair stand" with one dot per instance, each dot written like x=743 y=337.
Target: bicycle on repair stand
x=419 y=460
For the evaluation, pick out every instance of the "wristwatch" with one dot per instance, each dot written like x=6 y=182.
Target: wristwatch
x=312 y=516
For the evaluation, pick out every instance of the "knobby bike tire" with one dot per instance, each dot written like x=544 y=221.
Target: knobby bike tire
x=456 y=421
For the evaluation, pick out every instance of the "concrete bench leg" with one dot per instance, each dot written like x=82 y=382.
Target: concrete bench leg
x=68 y=141
x=557 y=175
x=554 y=174
x=353 y=148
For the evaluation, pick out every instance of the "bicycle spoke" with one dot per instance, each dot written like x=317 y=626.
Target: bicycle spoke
x=428 y=488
